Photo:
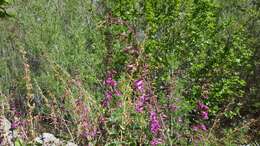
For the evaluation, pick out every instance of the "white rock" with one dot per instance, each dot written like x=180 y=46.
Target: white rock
x=71 y=144
x=6 y=133
x=5 y=127
x=48 y=139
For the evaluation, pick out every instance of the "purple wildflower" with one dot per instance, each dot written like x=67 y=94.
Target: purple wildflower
x=108 y=98
x=203 y=127
x=109 y=81
x=139 y=106
x=195 y=127
x=15 y=125
x=144 y=98
x=154 y=123
x=140 y=103
x=139 y=84
x=87 y=133
x=105 y=102
x=204 y=115
x=117 y=93
x=202 y=106
x=108 y=95
x=155 y=141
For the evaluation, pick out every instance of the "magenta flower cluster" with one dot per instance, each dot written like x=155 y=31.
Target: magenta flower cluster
x=144 y=95
x=15 y=125
x=110 y=81
x=139 y=105
x=107 y=99
x=155 y=129
x=203 y=114
x=154 y=123
x=201 y=106
x=111 y=85
x=17 y=122
x=156 y=141
x=141 y=100
x=203 y=110
x=139 y=85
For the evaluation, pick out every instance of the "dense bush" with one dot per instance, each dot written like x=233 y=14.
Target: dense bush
x=132 y=72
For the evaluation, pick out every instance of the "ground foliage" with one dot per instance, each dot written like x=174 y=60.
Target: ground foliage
x=121 y=72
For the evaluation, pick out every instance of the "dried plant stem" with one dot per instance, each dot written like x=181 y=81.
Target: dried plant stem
x=29 y=96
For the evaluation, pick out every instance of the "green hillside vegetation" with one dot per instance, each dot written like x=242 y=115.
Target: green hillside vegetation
x=130 y=72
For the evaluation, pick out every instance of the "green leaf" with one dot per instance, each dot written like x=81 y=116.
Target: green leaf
x=19 y=142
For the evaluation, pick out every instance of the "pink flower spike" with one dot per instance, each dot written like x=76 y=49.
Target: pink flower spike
x=139 y=84
x=15 y=124
x=204 y=115
x=195 y=127
x=202 y=106
x=143 y=98
x=140 y=103
x=154 y=123
x=117 y=93
x=113 y=83
x=107 y=99
x=203 y=127
x=108 y=95
x=109 y=81
x=139 y=107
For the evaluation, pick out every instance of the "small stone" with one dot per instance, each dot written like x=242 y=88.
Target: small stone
x=48 y=139
x=6 y=132
x=71 y=144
